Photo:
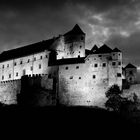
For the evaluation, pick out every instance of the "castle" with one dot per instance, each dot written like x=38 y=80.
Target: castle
x=82 y=76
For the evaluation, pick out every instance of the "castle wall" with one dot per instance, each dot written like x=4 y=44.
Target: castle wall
x=9 y=91
x=133 y=89
x=28 y=65
x=68 y=47
x=86 y=84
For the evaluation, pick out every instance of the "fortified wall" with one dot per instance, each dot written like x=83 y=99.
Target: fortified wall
x=40 y=86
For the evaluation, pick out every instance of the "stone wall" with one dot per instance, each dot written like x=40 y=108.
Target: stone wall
x=42 y=89
x=9 y=91
x=135 y=88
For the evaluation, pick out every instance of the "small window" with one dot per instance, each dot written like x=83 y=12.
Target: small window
x=100 y=55
x=24 y=72
x=95 y=65
x=20 y=62
x=49 y=76
x=82 y=38
x=79 y=77
x=7 y=65
x=80 y=47
x=15 y=63
x=46 y=56
x=66 y=68
x=2 y=77
x=113 y=63
x=77 y=67
x=34 y=58
x=71 y=77
x=104 y=64
x=131 y=72
x=40 y=57
x=28 y=60
x=31 y=68
x=17 y=74
x=119 y=63
x=94 y=76
x=119 y=75
x=39 y=66
x=9 y=75
x=3 y=66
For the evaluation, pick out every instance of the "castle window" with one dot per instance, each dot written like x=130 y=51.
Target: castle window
x=40 y=57
x=119 y=63
x=34 y=58
x=9 y=75
x=28 y=60
x=94 y=76
x=39 y=66
x=119 y=75
x=3 y=66
x=71 y=77
x=77 y=67
x=113 y=63
x=31 y=68
x=7 y=65
x=66 y=68
x=131 y=72
x=104 y=64
x=2 y=77
x=20 y=62
x=15 y=63
x=82 y=38
x=24 y=72
x=95 y=65
x=49 y=76
x=17 y=74
x=47 y=56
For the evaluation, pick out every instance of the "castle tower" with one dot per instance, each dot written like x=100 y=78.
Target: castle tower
x=74 y=44
x=130 y=72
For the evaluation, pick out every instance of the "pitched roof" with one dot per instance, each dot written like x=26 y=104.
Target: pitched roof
x=75 y=31
x=116 y=50
x=95 y=48
x=130 y=66
x=26 y=50
x=103 y=49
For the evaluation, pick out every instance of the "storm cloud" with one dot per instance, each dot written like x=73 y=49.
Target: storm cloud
x=116 y=23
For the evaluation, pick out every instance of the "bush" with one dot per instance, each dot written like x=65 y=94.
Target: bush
x=117 y=103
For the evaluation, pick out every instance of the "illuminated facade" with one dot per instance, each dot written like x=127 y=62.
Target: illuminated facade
x=82 y=76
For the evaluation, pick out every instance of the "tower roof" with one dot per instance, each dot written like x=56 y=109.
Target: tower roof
x=95 y=48
x=103 y=49
x=75 y=31
x=116 y=50
x=130 y=66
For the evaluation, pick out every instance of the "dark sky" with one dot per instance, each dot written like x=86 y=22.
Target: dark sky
x=114 y=22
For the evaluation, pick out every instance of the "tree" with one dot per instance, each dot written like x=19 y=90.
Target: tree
x=114 y=98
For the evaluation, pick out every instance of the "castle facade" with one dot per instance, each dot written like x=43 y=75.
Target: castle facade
x=82 y=76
